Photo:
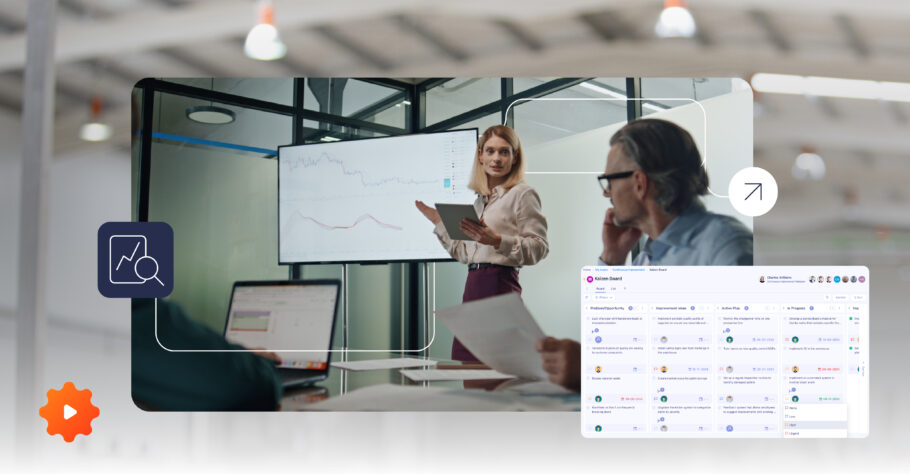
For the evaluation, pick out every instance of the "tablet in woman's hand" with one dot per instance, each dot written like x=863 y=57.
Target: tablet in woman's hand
x=453 y=214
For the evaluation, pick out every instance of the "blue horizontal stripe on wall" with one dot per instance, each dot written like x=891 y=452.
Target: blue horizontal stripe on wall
x=200 y=141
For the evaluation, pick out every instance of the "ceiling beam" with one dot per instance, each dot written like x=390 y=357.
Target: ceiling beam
x=9 y=25
x=897 y=113
x=854 y=40
x=702 y=36
x=416 y=28
x=297 y=68
x=10 y=104
x=826 y=105
x=521 y=34
x=772 y=32
x=352 y=47
x=112 y=69
x=204 y=66
x=609 y=26
x=149 y=30
x=654 y=58
x=78 y=10
x=198 y=22
x=174 y=3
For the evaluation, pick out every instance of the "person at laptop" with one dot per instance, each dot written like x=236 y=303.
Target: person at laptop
x=195 y=381
x=512 y=231
x=204 y=381
x=654 y=177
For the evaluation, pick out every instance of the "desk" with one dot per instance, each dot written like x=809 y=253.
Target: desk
x=389 y=390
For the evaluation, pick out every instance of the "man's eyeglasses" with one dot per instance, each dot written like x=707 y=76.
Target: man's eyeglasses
x=604 y=179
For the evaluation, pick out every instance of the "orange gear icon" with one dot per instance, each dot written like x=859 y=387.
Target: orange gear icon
x=69 y=412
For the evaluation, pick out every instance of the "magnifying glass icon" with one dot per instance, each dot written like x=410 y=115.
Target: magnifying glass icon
x=154 y=274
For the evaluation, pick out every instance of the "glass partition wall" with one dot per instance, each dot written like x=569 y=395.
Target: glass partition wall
x=216 y=183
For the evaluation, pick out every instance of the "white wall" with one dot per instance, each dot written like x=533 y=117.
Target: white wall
x=88 y=335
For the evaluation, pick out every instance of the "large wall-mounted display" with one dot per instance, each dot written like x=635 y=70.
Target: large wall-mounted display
x=353 y=201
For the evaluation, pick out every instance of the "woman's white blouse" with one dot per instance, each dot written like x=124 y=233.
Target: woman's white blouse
x=515 y=214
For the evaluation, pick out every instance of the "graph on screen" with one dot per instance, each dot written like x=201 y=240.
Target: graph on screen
x=353 y=201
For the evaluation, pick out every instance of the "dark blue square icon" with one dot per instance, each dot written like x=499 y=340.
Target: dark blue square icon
x=135 y=259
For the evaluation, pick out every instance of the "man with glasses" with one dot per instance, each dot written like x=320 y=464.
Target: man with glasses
x=654 y=178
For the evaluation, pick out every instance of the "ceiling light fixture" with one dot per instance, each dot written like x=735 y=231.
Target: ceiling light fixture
x=95 y=130
x=210 y=114
x=263 y=42
x=831 y=87
x=808 y=165
x=675 y=21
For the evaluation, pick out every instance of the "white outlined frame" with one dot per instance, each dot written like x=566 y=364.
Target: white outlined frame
x=427 y=347
x=433 y=338
x=704 y=114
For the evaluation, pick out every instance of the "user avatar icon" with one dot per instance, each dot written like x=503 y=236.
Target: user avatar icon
x=729 y=338
x=812 y=279
x=836 y=279
x=729 y=398
x=598 y=398
x=795 y=398
x=828 y=280
x=597 y=369
x=795 y=369
x=853 y=279
x=598 y=428
x=663 y=339
x=821 y=279
x=663 y=369
x=761 y=279
x=663 y=398
x=729 y=369
x=843 y=278
x=795 y=339
x=663 y=428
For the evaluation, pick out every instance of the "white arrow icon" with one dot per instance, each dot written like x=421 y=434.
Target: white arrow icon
x=68 y=412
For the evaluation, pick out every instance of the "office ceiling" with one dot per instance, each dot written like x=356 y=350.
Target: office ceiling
x=104 y=46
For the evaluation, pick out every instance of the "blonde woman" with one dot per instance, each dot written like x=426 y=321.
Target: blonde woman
x=513 y=231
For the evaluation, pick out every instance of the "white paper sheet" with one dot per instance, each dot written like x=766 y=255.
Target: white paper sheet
x=500 y=332
x=379 y=364
x=453 y=374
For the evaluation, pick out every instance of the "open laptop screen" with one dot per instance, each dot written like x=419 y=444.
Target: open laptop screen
x=282 y=316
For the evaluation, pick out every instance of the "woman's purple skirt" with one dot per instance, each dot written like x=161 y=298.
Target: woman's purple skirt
x=483 y=283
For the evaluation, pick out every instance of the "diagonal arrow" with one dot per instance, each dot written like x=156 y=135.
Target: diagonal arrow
x=757 y=188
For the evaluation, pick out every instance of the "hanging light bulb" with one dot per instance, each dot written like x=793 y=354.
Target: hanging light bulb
x=808 y=165
x=95 y=130
x=675 y=21
x=263 y=42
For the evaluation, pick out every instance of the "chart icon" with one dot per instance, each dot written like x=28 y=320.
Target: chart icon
x=135 y=259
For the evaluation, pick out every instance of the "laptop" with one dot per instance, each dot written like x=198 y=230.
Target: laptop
x=286 y=315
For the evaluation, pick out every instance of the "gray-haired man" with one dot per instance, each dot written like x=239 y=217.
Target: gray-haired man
x=654 y=178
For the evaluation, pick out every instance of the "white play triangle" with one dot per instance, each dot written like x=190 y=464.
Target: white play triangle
x=68 y=412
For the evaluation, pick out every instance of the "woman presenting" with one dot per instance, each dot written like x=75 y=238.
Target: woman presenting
x=513 y=231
